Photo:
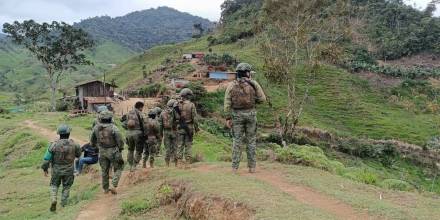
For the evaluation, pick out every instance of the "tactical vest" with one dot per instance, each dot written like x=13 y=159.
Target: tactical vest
x=168 y=119
x=186 y=111
x=105 y=136
x=63 y=152
x=133 y=120
x=243 y=95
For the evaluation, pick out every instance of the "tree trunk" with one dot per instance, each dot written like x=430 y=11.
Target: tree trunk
x=53 y=89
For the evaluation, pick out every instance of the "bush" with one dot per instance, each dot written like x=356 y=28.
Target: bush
x=386 y=153
x=362 y=175
x=308 y=156
x=218 y=60
x=137 y=207
x=394 y=184
x=152 y=90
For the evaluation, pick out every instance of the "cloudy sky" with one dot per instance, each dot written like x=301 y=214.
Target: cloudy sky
x=74 y=10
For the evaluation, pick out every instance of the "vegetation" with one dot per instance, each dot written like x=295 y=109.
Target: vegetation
x=58 y=46
x=144 y=29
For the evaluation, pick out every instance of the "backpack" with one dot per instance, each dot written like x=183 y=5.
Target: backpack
x=133 y=120
x=105 y=135
x=243 y=95
x=186 y=111
x=167 y=119
x=63 y=152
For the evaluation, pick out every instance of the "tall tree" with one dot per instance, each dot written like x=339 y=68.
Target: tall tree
x=299 y=36
x=58 y=46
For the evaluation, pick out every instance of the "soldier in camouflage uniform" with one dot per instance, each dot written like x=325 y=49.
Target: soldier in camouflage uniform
x=153 y=137
x=61 y=155
x=100 y=109
x=187 y=126
x=108 y=139
x=168 y=130
x=241 y=98
x=134 y=123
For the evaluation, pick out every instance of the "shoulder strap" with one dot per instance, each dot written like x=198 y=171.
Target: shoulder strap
x=141 y=122
x=251 y=84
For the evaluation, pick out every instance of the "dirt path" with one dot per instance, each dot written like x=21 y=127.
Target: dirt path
x=49 y=134
x=302 y=194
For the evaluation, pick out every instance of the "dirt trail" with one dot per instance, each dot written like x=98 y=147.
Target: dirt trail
x=302 y=194
x=51 y=135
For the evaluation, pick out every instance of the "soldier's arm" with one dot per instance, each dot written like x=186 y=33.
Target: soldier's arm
x=161 y=125
x=93 y=138
x=47 y=159
x=228 y=101
x=194 y=116
x=261 y=97
x=78 y=151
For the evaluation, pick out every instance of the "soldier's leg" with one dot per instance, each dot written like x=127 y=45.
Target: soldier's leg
x=55 y=182
x=251 y=136
x=131 y=147
x=146 y=154
x=118 y=167
x=140 y=143
x=67 y=184
x=167 y=144
x=105 y=169
x=152 y=150
x=239 y=138
x=188 y=146
x=174 y=147
x=181 y=136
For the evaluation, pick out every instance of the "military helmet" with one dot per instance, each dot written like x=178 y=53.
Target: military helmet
x=157 y=110
x=106 y=115
x=102 y=108
x=171 y=103
x=63 y=129
x=245 y=67
x=186 y=92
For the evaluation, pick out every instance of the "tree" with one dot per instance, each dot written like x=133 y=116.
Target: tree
x=58 y=46
x=298 y=37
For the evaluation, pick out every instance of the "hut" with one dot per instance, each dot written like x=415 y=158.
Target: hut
x=198 y=55
x=187 y=56
x=94 y=93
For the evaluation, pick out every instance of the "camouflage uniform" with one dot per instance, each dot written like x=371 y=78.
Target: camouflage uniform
x=240 y=101
x=153 y=141
x=188 y=114
x=168 y=130
x=61 y=155
x=107 y=137
x=135 y=137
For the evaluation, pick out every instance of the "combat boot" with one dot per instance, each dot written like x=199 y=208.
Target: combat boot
x=234 y=171
x=151 y=163
x=251 y=170
x=167 y=163
x=144 y=164
x=53 y=206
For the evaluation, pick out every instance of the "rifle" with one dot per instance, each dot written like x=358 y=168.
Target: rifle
x=182 y=122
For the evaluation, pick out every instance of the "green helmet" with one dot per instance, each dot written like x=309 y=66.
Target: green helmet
x=171 y=103
x=157 y=110
x=102 y=108
x=106 y=115
x=63 y=129
x=246 y=67
x=186 y=92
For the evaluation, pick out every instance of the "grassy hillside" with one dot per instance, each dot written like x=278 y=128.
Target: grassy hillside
x=340 y=102
x=23 y=75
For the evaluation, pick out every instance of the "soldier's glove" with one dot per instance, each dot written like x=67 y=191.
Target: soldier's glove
x=229 y=123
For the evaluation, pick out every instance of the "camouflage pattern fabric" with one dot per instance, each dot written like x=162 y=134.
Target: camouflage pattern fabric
x=110 y=157
x=136 y=144
x=245 y=131
x=170 y=144
x=185 y=141
x=63 y=153
x=152 y=144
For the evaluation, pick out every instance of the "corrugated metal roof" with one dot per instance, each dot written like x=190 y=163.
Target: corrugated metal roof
x=92 y=81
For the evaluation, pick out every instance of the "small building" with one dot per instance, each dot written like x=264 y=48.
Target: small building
x=222 y=75
x=187 y=56
x=94 y=93
x=198 y=55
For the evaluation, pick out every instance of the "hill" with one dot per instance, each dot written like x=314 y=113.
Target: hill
x=144 y=29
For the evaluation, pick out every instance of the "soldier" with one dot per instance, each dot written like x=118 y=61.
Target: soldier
x=108 y=139
x=98 y=111
x=241 y=98
x=187 y=126
x=61 y=155
x=134 y=123
x=168 y=130
x=153 y=137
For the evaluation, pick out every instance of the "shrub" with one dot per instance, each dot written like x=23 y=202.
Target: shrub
x=396 y=185
x=152 y=90
x=362 y=175
x=308 y=156
x=137 y=207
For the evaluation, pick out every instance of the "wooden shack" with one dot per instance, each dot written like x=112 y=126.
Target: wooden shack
x=93 y=93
